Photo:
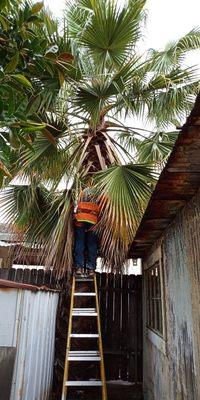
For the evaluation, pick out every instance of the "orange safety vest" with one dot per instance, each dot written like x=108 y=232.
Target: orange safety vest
x=87 y=209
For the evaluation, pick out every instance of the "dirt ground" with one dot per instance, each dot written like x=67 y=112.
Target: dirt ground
x=118 y=390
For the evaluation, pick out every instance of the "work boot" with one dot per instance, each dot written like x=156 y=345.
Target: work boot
x=79 y=271
x=90 y=272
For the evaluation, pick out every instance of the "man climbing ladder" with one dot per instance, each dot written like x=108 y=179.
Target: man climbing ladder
x=86 y=240
x=86 y=355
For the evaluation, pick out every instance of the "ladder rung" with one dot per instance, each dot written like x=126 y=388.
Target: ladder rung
x=84 y=335
x=84 y=314
x=85 y=294
x=81 y=358
x=83 y=383
x=84 y=358
x=84 y=280
x=84 y=352
x=85 y=309
x=84 y=355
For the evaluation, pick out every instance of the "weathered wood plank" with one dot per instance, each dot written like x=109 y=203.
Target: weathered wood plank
x=124 y=336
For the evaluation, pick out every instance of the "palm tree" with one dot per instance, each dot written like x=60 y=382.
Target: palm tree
x=94 y=77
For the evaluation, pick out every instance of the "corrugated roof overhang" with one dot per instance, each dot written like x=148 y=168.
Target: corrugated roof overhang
x=178 y=182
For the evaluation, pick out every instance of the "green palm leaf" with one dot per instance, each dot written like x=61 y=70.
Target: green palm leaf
x=124 y=192
x=157 y=148
x=174 y=52
x=24 y=205
x=110 y=32
x=44 y=220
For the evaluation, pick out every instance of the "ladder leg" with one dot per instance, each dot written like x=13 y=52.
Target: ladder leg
x=102 y=367
x=66 y=371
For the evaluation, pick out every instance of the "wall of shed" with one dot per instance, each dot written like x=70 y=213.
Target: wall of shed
x=172 y=371
x=27 y=324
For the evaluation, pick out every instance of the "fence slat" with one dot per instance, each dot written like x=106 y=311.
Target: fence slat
x=132 y=331
x=124 y=341
x=40 y=279
x=19 y=275
x=116 y=370
x=26 y=275
x=4 y=272
x=32 y=276
x=139 y=329
x=110 y=337
x=11 y=274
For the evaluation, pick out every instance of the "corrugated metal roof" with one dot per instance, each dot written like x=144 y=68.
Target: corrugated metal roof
x=178 y=182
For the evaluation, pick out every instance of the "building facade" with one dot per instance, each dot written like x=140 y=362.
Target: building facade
x=168 y=241
x=172 y=310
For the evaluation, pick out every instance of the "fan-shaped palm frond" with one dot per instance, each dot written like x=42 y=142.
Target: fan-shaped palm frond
x=124 y=193
x=156 y=148
x=174 y=52
x=42 y=220
x=59 y=248
x=108 y=32
x=24 y=205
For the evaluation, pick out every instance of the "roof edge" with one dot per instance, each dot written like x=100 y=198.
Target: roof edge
x=4 y=283
x=177 y=184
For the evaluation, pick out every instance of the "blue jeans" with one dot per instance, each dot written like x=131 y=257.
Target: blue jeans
x=85 y=239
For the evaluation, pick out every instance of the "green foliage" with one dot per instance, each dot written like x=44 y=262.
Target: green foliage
x=156 y=148
x=106 y=31
x=64 y=91
x=30 y=79
x=124 y=192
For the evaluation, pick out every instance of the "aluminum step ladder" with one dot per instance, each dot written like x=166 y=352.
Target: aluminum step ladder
x=89 y=355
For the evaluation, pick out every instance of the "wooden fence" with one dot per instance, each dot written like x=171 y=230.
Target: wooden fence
x=120 y=298
x=38 y=277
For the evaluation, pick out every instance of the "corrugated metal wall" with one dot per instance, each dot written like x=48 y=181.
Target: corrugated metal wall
x=28 y=323
x=173 y=372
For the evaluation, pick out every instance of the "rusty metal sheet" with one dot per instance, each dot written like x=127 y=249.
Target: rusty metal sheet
x=178 y=183
x=7 y=359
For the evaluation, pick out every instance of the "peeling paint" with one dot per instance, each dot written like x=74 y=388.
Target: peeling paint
x=175 y=375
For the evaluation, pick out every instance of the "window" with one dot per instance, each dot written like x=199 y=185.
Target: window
x=154 y=298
